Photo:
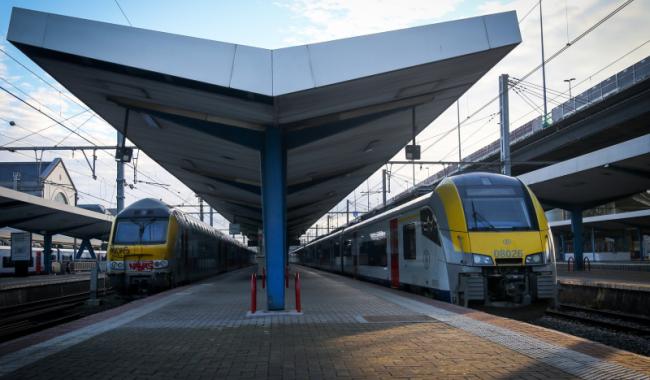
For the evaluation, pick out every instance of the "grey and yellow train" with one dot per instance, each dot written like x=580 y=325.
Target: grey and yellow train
x=153 y=246
x=478 y=237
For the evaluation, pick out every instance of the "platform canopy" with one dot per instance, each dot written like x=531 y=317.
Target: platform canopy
x=35 y=214
x=272 y=139
x=595 y=178
x=200 y=108
x=618 y=221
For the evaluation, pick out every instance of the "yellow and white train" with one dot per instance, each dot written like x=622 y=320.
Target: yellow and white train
x=153 y=246
x=477 y=237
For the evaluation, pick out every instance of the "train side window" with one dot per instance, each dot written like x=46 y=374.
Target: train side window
x=373 y=252
x=408 y=241
x=7 y=262
x=429 y=225
x=347 y=248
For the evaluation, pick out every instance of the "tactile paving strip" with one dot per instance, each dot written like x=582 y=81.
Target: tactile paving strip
x=567 y=360
x=418 y=318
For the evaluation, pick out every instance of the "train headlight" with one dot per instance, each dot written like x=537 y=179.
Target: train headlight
x=534 y=259
x=159 y=264
x=482 y=260
x=548 y=250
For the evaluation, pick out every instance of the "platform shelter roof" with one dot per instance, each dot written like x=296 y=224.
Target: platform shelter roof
x=35 y=214
x=200 y=108
x=595 y=178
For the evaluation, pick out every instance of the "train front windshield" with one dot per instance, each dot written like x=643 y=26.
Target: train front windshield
x=140 y=231
x=493 y=208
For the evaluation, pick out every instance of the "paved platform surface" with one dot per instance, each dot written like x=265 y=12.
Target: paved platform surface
x=615 y=279
x=349 y=330
x=40 y=280
x=636 y=265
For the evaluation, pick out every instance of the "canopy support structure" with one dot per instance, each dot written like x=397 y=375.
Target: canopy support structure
x=85 y=244
x=274 y=211
x=577 y=229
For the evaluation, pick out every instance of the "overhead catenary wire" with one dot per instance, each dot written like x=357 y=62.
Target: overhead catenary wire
x=75 y=102
x=57 y=122
x=546 y=61
x=123 y=14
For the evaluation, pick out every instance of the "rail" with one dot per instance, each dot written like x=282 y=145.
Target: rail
x=29 y=317
x=633 y=324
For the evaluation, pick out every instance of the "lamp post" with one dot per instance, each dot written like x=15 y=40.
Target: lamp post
x=569 y=82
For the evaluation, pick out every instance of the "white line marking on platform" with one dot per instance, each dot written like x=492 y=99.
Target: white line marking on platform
x=567 y=360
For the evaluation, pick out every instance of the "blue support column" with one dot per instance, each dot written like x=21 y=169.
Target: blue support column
x=47 y=252
x=639 y=232
x=85 y=244
x=274 y=210
x=576 y=228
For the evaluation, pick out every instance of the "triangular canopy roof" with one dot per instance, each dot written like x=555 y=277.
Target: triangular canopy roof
x=200 y=107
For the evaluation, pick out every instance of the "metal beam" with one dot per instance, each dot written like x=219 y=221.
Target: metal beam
x=485 y=163
x=274 y=209
x=10 y=222
x=63 y=147
x=47 y=252
x=577 y=229
x=73 y=227
x=505 y=124
x=85 y=244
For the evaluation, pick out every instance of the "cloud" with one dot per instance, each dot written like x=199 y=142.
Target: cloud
x=324 y=20
x=610 y=41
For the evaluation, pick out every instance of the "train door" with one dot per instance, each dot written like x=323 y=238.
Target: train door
x=394 y=254
x=182 y=263
x=341 y=251
x=355 y=255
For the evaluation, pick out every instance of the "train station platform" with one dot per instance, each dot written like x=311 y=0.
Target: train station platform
x=637 y=280
x=7 y=283
x=348 y=329
x=22 y=290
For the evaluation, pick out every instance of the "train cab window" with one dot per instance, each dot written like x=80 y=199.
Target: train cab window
x=141 y=231
x=497 y=208
x=429 y=225
x=408 y=241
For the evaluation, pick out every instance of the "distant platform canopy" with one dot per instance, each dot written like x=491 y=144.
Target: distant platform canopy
x=201 y=108
x=37 y=215
x=595 y=178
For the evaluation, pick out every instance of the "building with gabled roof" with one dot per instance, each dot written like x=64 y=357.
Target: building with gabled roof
x=49 y=180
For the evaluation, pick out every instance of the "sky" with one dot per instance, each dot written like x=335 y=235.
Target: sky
x=617 y=43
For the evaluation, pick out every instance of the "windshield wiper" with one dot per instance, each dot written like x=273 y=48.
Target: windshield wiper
x=475 y=214
x=142 y=226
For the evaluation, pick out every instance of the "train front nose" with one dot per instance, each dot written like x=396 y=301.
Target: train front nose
x=511 y=271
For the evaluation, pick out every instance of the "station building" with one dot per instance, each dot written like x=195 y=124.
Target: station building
x=49 y=180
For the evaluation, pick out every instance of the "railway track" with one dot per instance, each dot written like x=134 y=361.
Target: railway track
x=26 y=318
x=611 y=320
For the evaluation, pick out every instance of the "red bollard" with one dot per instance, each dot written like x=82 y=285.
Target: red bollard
x=586 y=264
x=263 y=278
x=298 y=305
x=568 y=264
x=253 y=293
